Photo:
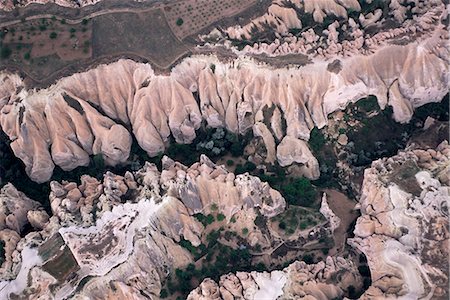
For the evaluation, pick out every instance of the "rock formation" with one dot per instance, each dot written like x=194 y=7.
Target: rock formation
x=8 y=5
x=403 y=230
x=396 y=22
x=125 y=230
x=94 y=112
x=328 y=279
x=17 y=210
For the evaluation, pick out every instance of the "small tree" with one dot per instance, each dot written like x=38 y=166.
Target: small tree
x=180 y=21
x=5 y=52
x=53 y=35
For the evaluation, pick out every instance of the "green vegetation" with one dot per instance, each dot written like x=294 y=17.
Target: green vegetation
x=205 y=220
x=296 y=217
x=5 y=52
x=220 y=217
x=244 y=231
x=2 y=252
x=27 y=55
x=213 y=68
x=368 y=104
x=220 y=260
x=180 y=21
x=316 y=140
x=210 y=141
x=164 y=294
x=247 y=167
x=300 y=192
x=53 y=35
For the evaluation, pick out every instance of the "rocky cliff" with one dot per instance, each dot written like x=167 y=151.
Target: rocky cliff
x=96 y=112
x=122 y=235
x=403 y=230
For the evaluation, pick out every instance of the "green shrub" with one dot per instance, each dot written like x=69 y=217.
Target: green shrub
x=299 y=192
x=180 y=21
x=230 y=162
x=5 y=52
x=209 y=219
x=220 y=217
x=164 y=294
x=316 y=140
x=53 y=35
x=244 y=231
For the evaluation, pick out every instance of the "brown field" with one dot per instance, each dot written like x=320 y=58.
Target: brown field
x=145 y=34
x=45 y=42
x=191 y=16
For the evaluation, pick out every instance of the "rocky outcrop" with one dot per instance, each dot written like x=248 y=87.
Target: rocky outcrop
x=9 y=5
x=403 y=230
x=328 y=279
x=280 y=31
x=17 y=210
x=123 y=232
x=326 y=211
x=95 y=112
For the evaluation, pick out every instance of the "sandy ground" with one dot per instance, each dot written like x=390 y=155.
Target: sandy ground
x=343 y=207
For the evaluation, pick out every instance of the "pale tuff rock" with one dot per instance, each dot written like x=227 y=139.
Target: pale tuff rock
x=292 y=150
x=10 y=239
x=326 y=211
x=9 y=5
x=298 y=280
x=403 y=230
x=73 y=119
x=282 y=18
x=425 y=17
x=17 y=210
x=124 y=231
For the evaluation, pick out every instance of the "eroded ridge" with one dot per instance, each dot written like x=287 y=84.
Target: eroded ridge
x=95 y=112
x=123 y=234
x=403 y=230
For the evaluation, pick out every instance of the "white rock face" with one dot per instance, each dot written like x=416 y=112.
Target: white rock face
x=326 y=211
x=126 y=230
x=403 y=230
x=298 y=280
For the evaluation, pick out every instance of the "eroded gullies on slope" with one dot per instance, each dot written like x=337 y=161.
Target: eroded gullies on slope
x=163 y=220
